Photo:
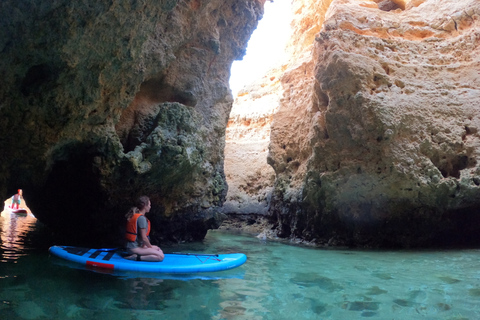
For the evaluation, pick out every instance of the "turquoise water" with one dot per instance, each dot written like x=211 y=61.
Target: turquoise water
x=278 y=281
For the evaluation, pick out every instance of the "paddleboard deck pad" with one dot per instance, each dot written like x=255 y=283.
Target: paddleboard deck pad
x=111 y=259
x=19 y=211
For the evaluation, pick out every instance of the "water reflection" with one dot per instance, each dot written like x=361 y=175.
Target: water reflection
x=14 y=228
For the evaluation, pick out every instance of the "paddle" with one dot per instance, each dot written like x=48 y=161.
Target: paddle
x=195 y=254
x=177 y=253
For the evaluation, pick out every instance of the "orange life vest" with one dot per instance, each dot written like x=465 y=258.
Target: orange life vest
x=131 y=234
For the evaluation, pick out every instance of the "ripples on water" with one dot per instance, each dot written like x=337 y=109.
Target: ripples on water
x=279 y=281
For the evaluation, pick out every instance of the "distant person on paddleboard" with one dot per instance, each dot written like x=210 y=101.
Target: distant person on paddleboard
x=138 y=229
x=16 y=199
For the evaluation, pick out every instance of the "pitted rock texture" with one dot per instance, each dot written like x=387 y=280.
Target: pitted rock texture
x=376 y=139
x=103 y=101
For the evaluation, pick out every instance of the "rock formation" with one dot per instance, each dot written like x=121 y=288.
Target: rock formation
x=371 y=126
x=376 y=142
x=103 y=101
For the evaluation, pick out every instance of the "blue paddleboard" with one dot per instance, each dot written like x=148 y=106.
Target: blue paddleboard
x=112 y=259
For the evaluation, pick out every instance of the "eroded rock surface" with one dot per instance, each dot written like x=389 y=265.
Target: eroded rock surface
x=250 y=178
x=376 y=138
x=103 y=101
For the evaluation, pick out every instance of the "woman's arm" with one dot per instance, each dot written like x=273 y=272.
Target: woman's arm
x=145 y=240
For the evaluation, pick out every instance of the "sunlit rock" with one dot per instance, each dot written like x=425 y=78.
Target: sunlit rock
x=250 y=179
x=101 y=102
x=376 y=138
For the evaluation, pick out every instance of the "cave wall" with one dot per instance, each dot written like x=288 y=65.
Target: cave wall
x=104 y=101
x=376 y=141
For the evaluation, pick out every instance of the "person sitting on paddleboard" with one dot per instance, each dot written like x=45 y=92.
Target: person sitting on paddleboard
x=138 y=229
x=16 y=199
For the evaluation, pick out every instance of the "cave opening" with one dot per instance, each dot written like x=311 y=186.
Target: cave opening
x=266 y=47
x=16 y=204
x=255 y=83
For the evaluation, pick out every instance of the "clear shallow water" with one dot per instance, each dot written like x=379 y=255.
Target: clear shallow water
x=279 y=281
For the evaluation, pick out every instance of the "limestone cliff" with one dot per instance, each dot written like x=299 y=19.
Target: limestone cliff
x=376 y=138
x=250 y=179
x=103 y=101
x=372 y=126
